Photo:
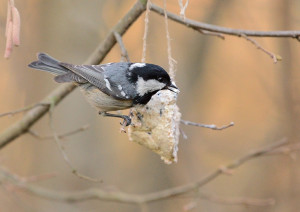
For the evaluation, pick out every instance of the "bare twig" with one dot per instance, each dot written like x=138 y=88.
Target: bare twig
x=64 y=154
x=121 y=27
x=29 y=179
x=33 y=115
x=124 y=53
x=40 y=177
x=61 y=136
x=275 y=57
x=204 y=32
x=218 y=31
x=245 y=201
x=210 y=126
x=183 y=134
x=23 y=109
x=286 y=150
x=224 y=30
x=117 y=196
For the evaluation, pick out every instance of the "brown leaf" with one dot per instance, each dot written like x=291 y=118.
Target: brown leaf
x=16 y=26
x=9 y=41
x=8 y=18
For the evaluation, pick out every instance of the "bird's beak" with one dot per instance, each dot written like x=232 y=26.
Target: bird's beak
x=173 y=88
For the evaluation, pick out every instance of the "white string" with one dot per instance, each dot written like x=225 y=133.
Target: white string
x=146 y=31
x=171 y=60
x=183 y=8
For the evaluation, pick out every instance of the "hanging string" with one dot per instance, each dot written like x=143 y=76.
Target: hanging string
x=172 y=61
x=146 y=31
x=183 y=8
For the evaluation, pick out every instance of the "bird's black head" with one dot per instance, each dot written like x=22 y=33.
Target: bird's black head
x=149 y=79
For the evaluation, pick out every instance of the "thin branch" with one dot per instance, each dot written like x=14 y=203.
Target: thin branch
x=121 y=27
x=30 y=179
x=34 y=114
x=245 y=201
x=208 y=29
x=218 y=172
x=55 y=97
x=183 y=134
x=224 y=30
x=286 y=150
x=61 y=136
x=124 y=53
x=64 y=154
x=117 y=196
x=12 y=113
x=275 y=57
x=204 y=32
x=210 y=126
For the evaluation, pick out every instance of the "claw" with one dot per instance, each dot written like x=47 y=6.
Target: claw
x=127 y=119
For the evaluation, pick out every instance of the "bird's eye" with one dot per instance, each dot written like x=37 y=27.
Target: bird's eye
x=160 y=79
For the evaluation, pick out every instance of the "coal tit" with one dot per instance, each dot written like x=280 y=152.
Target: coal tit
x=112 y=86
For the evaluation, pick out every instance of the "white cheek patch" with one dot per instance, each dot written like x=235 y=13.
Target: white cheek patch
x=135 y=65
x=148 y=86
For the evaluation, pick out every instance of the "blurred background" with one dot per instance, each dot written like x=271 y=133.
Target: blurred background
x=220 y=81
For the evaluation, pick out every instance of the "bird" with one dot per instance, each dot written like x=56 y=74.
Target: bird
x=112 y=86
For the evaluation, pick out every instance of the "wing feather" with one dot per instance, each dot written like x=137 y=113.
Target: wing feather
x=70 y=77
x=95 y=75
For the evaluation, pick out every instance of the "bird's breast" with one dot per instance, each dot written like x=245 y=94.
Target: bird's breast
x=102 y=101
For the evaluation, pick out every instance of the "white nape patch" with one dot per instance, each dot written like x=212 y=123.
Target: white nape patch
x=122 y=93
x=135 y=65
x=107 y=84
x=148 y=86
x=120 y=87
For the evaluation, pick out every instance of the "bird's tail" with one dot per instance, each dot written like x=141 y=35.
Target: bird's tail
x=49 y=64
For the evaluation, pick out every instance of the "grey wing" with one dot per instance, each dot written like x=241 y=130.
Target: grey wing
x=100 y=78
x=70 y=77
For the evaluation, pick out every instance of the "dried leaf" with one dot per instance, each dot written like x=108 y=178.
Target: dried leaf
x=9 y=41
x=8 y=18
x=16 y=26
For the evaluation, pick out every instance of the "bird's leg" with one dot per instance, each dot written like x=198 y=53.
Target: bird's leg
x=127 y=119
